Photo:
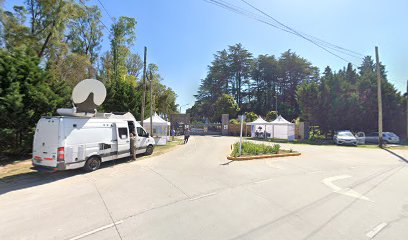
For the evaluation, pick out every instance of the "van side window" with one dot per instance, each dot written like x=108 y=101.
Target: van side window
x=141 y=132
x=123 y=133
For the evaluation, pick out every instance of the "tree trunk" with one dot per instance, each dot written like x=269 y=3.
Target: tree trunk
x=44 y=46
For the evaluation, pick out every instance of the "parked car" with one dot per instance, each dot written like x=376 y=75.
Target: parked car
x=345 y=138
x=388 y=137
x=360 y=138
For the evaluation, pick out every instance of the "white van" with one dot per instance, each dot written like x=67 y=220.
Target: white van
x=68 y=142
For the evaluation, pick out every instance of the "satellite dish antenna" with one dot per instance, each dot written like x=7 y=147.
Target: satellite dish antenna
x=88 y=94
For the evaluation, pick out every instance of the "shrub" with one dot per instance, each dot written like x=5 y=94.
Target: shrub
x=234 y=121
x=251 y=116
x=250 y=148
x=272 y=115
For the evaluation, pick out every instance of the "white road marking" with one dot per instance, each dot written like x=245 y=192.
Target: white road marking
x=371 y=234
x=345 y=191
x=96 y=230
x=263 y=180
x=203 y=196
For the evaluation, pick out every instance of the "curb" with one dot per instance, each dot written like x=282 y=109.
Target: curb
x=229 y=157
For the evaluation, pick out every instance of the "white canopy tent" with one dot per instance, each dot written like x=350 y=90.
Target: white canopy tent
x=282 y=129
x=278 y=128
x=258 y=127
x=161 y=129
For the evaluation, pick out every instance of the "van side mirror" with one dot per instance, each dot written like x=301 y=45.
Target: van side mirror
x=147 y=134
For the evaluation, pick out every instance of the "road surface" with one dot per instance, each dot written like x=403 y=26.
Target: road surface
x=194 y=192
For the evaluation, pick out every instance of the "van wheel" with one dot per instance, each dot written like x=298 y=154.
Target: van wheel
x=149 y=150
x=92 y=164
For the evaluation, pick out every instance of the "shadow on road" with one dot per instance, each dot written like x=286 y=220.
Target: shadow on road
x=32 y=179
x=397 y=155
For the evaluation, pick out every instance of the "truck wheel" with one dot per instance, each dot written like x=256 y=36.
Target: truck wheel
x=92 y=164
x=149 y=150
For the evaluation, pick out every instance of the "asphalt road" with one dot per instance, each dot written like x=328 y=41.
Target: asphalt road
x=194 y=192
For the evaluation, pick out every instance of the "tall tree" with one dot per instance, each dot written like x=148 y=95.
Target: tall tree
x=122 y=39
x=239 y=60
x=85 y=31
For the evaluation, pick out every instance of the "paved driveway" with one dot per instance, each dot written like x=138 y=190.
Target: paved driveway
x=194 y=192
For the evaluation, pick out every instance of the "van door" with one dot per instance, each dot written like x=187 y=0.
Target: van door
x=141 y=142
x=123 y=140
x=46 y=142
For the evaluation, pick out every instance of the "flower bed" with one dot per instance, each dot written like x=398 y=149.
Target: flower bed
x=252 y=150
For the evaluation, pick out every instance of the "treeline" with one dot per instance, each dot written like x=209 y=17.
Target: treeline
x=290 y=84
x=47 y=47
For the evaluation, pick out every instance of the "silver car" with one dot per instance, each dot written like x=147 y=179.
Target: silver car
x=388 y=137
x=345 y=138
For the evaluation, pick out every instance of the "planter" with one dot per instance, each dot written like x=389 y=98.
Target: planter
x=243 y=158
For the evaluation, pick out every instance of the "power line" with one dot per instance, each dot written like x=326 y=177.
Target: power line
x=294 y=31
x=113 y=19
x=81 y=1
x=297 y=32
x=316 y=41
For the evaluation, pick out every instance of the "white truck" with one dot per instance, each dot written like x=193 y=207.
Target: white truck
x=69 y=142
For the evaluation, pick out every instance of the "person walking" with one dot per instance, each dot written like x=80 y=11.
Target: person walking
x=186 y=135
x=133 y=139
x=173 y=133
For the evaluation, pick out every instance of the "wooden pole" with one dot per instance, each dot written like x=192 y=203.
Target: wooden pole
x=407 y=109
x=379 y=98
x=240 y=136
x=151 y=104
x=144 y=87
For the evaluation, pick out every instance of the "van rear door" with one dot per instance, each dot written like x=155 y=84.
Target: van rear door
x=46 y=141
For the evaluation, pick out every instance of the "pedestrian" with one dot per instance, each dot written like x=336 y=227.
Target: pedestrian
x=133 y=145
x=173 y=133
x=186 y=135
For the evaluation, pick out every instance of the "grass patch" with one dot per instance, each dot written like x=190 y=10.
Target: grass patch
x=17 y=168
x=253 y=149
x=20 y=167
x=158 y=150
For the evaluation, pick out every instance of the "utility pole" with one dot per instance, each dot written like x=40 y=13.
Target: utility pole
x=407 y=108
x=240 y=135
x=276 y=100
x=144 y=86
x=379 y=98
x=151 y=104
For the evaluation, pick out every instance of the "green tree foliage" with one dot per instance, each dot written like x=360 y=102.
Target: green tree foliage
x=270 y=116
x=26 y=94
x=290 y=84
x=122 y=39
x=72 y=68
x=46 y=47
x=225 y=104
x=251 y=116
x=256 y=84
x=348 y=100
x=85 y=32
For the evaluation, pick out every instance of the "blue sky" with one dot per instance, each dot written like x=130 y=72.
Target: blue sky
x=183 y=35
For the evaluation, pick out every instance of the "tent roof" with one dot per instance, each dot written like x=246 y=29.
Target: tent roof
x=280 y=120
x=156 y=120
x=258 y=121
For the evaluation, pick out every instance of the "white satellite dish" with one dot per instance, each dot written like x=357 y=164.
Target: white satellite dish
x=85 y=87
x=87 y=95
